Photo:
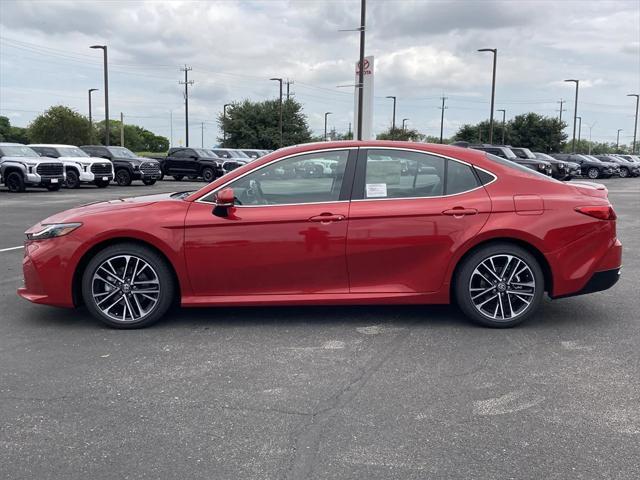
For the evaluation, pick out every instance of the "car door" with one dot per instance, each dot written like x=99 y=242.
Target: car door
x=284 y=235
x=175 y=163
x=410 y=211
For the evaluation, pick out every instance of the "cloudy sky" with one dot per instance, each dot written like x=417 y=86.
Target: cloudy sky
x=423 y=50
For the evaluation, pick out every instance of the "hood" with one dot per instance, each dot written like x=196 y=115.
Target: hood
x=83 y=159
x=78 y=213
x=31 y=160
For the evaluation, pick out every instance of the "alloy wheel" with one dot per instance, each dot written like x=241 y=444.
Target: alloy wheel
x=593 y=173
x=502 y=287
x=125 y=288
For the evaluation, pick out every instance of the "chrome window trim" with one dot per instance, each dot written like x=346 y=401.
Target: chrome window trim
x=405 y=149
x=202 y=199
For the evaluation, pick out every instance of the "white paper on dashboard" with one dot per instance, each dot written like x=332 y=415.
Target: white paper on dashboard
x=376 y=190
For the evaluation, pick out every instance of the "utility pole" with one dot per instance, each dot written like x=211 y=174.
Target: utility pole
x=289 y=83
x=393 y=117
x=443 y=108
x=575 y=115
x=363 y=16
x=618 y=140
x=279 y=80
x=349 y=135
x=91 y=90
x=562 y=102
x=202 y=135
x=579 y=130
x=106 y=92
x=635 y=125
x=326 y=114
x=171 y=127
x=121 y=129
x=186 y=84
x=504 y=117
x=404 y=122
x=493 y=88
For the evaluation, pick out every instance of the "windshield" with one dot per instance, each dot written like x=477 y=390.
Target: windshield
x=122 y=152
x=17 y=151
x=238 y=154
x=523 y=153
x=515 y=166
x=201 y=152
x=544 y=156
x=70 y=152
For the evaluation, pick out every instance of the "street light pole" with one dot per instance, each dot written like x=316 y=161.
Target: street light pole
x=224 y=127
x=618 y=140
x=363 y=16
x=504 y=117
x=279 y=80
x=106 y=91
x=575 y=114
x=635 y=125
x=493 y=88
x=404 y=122
x=91 y=90
x=393 y=118
x=579 y=130
x=326 y=114
x=443 y=108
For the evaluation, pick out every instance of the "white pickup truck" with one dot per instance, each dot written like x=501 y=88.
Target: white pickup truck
x=78 y=166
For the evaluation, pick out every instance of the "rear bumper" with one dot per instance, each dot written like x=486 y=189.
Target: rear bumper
x=598 y=282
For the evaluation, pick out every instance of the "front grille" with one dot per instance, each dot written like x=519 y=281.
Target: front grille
x=228 y=166
x=101 y=168
x=50 y=170
x=150 y=168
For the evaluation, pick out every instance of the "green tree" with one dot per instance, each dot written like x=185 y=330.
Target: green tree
x=475 y=133
x=255 y=125
x=9 y=133
x=406 y=134
x=136 y=138
x=60 y=124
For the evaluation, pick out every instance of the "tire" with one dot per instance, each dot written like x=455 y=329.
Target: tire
x=73 y=178
x=53 y=187
x=161 y=177
x=149 y=182
x=101 y=183
x=15 y=182
x=473 y=273
x=624 y=172
x=123 y=177
x=593 y=173
x=208 y=175
x=138 y=310
x=178 y=177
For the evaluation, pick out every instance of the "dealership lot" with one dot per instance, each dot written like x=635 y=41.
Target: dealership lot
x=332 y=392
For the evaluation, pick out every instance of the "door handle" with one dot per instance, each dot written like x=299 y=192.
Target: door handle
x=460 y=212
x=326 y=218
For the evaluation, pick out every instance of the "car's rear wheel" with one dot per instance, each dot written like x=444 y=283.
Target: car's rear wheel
x=499 y=285
x=15 y=182
x=73 y=178
x=624 y=172
x=123 y=177
x=593 y=172
x=128 y=286
x=208 y=175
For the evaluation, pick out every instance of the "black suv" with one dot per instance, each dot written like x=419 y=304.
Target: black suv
x=561 y=170
x=127 y=165
x=627 y=169
x=183 y=162
x=589 y=167
x=502 y=151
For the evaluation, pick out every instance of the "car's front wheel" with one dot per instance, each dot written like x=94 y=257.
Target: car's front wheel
x=208 y=175
x=73 y=178
x=624 y=172
x=499 y=285
x=123 y=177
x=593 y=173
x=128 y=286
x=14 y=182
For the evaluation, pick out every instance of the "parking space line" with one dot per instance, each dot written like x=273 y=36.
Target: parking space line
x=10 y=248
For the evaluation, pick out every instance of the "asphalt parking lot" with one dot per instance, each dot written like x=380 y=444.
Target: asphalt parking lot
x=320 y=393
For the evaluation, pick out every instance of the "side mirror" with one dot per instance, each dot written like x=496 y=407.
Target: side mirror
x=225 y=199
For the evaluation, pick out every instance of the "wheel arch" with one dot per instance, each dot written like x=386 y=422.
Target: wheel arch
x=76 y=284
x=528 y=246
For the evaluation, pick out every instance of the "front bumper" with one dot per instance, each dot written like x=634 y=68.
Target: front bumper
x=36 y=179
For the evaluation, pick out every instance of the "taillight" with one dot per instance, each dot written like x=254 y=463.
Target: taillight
x=601 y=212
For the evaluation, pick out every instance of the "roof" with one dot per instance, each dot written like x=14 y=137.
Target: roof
x=9 y=144
x=53 y=145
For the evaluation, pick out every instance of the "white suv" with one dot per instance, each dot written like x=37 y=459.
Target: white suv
x=79 y=167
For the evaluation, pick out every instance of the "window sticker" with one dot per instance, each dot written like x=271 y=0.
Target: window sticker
x=376 y=190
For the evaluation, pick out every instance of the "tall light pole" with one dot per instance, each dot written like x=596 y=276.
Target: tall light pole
x=326 y=114
x=575 y=113
x=106 y=92
x=91 y=90
x=504 y=117
x=404 y=124
x=635 y=125
x=363 y=16
x=224 y=123
x=579 y=130
x=618 y=140
x=279 y=80
x=493 y=88
x=393 y=117
x=443 y=108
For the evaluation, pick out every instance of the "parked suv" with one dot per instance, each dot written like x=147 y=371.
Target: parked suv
x=233 y=158
x=627 y=169
x=78 y=166
x=505 y=152
x=183 y=162
x=562 y=170
x=127 y=165
x=557 y=167
x=589 y=167
x=20 y=166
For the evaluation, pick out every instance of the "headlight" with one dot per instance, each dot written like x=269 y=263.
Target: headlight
x=541 y=166
x=53 y=230
x=561 y=165
x=135 y=166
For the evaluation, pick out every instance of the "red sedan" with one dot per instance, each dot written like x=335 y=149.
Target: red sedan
x=335 y=223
